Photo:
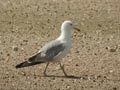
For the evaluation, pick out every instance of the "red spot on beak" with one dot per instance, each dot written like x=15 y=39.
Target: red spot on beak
x=77 y=29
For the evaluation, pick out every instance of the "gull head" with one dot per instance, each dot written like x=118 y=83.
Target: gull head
x=68 y=25
x=66 y=28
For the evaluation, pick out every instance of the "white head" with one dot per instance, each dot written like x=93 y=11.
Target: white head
x=67 y=25
x=66 y=28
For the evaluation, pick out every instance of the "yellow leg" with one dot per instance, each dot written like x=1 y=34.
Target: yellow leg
x=46 y=69
x=62 y=68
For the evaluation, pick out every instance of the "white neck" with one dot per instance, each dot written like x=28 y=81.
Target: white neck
x=65 y=34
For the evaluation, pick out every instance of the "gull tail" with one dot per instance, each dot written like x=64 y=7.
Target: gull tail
x=30 y=62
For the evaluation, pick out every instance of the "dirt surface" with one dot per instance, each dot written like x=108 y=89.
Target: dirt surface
x=94 y=60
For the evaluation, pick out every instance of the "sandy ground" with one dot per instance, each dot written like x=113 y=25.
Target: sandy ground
x=94 y=60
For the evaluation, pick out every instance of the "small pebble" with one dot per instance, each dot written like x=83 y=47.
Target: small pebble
x=25 y=40
x=23 y=74
x=77 y=65
x=15 y=48
x=99 y=25
x=85 y=77
x=8 y=54
x=77 y=51
x=112 y=50
x=114 y=88
x=35 y=83
x=1 y=52
x=68 y=87
x=95 y=53
x=111 y=71
x=12 y=77
x=99 y=76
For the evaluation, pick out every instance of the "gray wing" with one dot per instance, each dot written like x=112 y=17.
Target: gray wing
x=54 y=50
x=49 y=51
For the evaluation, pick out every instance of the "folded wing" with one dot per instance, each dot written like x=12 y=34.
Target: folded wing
x=47 y=53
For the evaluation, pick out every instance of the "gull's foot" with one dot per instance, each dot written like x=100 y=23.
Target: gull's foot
x=45 y=74
x=64 y=71
x=65 y=74
x=71 y=76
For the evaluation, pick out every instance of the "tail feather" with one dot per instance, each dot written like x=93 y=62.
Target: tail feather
x=30 y=62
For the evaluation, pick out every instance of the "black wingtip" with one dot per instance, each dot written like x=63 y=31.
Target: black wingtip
x=27 y=64
x=19 y=65
x=31 y=61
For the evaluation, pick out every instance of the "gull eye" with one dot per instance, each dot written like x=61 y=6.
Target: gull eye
x=71 y=24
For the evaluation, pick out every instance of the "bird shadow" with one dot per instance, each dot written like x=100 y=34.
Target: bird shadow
x=69 y=77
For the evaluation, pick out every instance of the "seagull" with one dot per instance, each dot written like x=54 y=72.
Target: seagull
x=54 y=50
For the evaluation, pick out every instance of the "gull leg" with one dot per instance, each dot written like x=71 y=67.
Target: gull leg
x=62 y=68
x=46 y=69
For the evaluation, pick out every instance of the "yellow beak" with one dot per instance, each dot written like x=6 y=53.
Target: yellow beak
x=77 y=29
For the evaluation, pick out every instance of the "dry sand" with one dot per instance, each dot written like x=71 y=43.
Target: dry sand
x=94 y=60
